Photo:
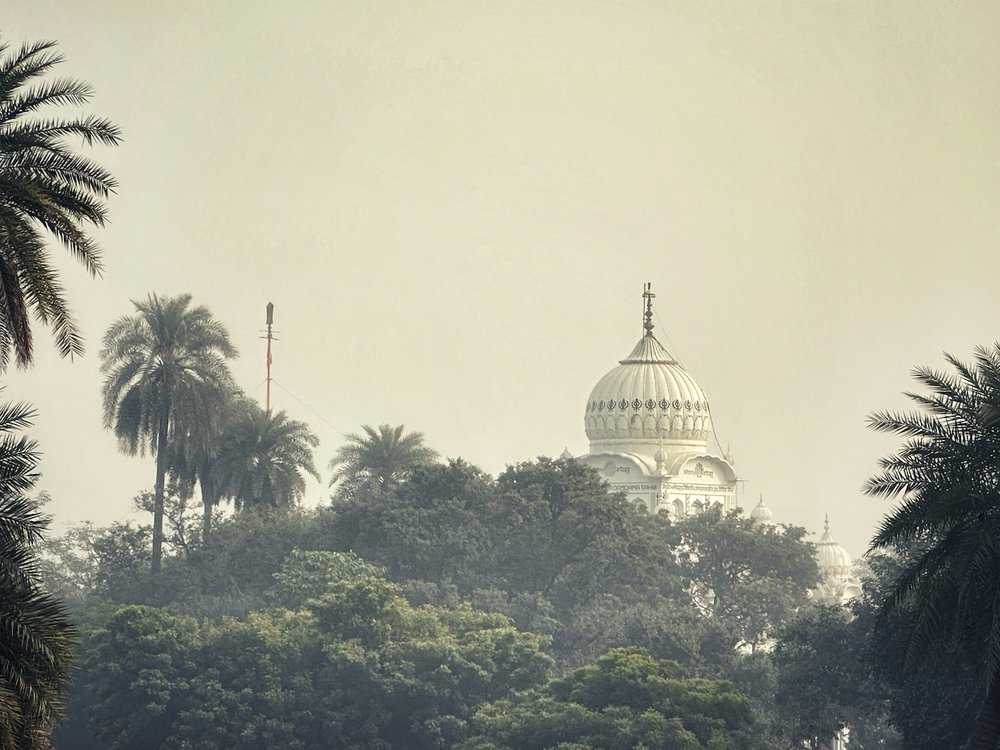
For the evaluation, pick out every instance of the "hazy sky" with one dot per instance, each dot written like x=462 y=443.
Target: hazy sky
x=454 y=205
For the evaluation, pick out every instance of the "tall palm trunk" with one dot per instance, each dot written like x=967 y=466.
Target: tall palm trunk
x=986 y=733
x=158 y=490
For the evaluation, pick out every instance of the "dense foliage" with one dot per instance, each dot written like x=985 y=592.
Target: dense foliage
x=625 y=700
x=431 y=605
x=454 y=608
x=35 y=631
x=353 y=666
x=945 y=595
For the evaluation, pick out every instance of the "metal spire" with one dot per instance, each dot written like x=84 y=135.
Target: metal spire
x=647 y=294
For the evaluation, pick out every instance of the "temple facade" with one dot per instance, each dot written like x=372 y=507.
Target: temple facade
x=649 y=423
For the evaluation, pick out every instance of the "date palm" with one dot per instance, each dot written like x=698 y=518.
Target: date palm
x=193 y=463
x=261 y=459
x=165 y=371
x=379 y=459
x=47 y=191
x=35 y=632
x=947 y=525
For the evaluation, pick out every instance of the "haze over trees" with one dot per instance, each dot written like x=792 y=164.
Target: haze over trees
x=452 y=609
x=532 y=609
x=430 y=604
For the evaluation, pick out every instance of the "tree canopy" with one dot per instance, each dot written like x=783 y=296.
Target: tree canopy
x=947 y=523
x=378 y=460
x=260 y=459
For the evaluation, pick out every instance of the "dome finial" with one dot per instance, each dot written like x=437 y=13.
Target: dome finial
x=648 y=295
x=826 y=522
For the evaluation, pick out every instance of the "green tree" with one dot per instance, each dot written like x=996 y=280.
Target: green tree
x=750 y=575
x=261 y=459
x=623 y=701
x=559 y=532
x=934 y=699
x=35 y=632
x=165 y=371
x=825 y=681
x=948 y=476
x=355 y=667
x=378 y=460
x=193 y=463
x=308 y=574
x=545 y=544
x=45 y=190
x=432 y=527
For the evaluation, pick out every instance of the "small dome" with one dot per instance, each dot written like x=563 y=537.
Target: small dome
x=566 y=454
x=761 y=513
x=833 y=560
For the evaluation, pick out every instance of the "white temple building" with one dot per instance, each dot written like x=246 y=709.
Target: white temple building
x=649 y=424
x=838 y=581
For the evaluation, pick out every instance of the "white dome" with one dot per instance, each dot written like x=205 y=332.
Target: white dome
x=648 y=397
x=761 y=513
x=833 y=560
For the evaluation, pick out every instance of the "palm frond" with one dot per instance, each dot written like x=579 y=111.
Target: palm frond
x=46 y=191
x=946 y=525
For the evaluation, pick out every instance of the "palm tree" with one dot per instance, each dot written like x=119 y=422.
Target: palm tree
x=261 y=458
x=193 y=463
x=165 y=371
x=947 y=525
x=46 y=190
x=35 y=632
x=378 y=460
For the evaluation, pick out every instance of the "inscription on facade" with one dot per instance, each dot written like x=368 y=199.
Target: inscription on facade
x=701 y=487
x=699 y=471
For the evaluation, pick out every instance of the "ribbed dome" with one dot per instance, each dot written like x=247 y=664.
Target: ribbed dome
x=761 y=513
x=833 y=560
x=648 y=397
